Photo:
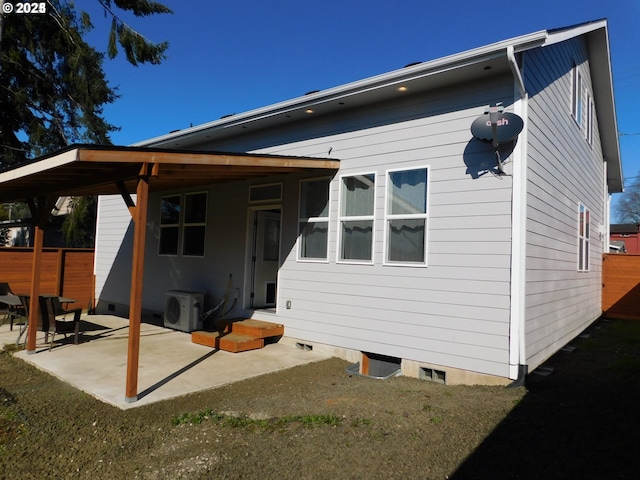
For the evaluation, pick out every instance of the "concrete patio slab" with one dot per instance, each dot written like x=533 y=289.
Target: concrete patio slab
x=170 y=365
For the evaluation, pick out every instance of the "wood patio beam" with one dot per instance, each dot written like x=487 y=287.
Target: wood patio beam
x=202 y=158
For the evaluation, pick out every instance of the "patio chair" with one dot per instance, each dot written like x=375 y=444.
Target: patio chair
x=10 y=305
x=62 y=325
x=24 y=300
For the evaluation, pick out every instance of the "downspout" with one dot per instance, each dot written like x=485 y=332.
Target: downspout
x=517 y=352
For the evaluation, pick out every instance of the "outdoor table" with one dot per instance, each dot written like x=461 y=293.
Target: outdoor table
x=11 y=300
x=44 y=325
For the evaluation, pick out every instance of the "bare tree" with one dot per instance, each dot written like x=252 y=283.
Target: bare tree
x=628 y=208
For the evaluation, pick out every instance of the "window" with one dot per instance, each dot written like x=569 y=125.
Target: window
x=406 y=217
x=265 y=193
x=576 y=96
x=357 y=197
x=589 y=133
x=313 y=220
x=169 y=225
x=190 y=220
x=195 y=218
x=583 y=239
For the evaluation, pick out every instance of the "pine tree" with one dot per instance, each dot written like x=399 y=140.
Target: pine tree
x=52 y=84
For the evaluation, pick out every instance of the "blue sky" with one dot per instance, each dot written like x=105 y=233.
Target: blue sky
x=230 y=57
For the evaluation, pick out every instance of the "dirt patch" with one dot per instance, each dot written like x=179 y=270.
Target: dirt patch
x=317 y=422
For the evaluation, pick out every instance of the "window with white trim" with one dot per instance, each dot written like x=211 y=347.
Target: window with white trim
x=170 y=208
x=195 y=220
x=357 y=207
x=583 y=238
x=589 y=132
x=406 y=217
x=313 y=219
x=183 y=224
x=576 y=96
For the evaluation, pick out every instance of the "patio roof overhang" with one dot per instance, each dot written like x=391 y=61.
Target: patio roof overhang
x=81 y=170
x=95 y=170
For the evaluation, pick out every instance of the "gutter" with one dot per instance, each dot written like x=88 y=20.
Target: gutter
x=424 y=69
x=517 y=351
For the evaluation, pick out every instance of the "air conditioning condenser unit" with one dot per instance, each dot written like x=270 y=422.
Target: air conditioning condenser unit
x=183 y=310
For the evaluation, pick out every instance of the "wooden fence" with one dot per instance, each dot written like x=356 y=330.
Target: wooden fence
x=65 y=271
x=621 y=286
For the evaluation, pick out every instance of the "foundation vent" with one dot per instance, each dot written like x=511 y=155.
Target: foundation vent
x=433 y=375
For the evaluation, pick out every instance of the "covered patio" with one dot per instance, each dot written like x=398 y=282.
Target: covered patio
x=96 y=170
x=170 y=365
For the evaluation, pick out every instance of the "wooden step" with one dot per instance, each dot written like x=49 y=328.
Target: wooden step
x=258 y=328
x=229 y=342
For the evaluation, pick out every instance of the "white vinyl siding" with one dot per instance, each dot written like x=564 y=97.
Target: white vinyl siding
x=456 y=312
x=563 y=171
x=113 y=251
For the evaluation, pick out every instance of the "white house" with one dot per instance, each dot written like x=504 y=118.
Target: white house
x=420 y=249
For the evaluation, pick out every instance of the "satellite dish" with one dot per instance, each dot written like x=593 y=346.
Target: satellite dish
x=496 y=127
x=507 y=127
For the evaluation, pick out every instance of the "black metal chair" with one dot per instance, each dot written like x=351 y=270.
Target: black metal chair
x=55 y=310
x=24 y=300
x=11 y=306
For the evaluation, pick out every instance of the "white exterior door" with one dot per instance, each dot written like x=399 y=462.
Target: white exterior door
x=265 y=257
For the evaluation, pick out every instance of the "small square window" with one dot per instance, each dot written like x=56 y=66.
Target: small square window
x=188 y=224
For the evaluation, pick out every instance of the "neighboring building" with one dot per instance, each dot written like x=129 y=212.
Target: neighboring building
x=625 y=237
x=20 y=230
x=420 y=248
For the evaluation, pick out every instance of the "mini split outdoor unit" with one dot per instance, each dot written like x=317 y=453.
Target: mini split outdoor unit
x=183 y=310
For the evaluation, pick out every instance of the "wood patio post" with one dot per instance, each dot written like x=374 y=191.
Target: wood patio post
x=139 y=214
x=34 y=294
x=40 y=210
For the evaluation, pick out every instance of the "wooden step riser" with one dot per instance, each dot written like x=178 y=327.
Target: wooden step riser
x=239 y=336
x=258 y=332
x=228 y=342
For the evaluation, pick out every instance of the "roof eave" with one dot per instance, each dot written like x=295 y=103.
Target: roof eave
x=429 y=68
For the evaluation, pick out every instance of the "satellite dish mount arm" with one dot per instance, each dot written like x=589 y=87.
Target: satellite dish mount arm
x=493 y=118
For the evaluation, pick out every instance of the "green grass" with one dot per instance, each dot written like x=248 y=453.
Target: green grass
x=243 y=421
